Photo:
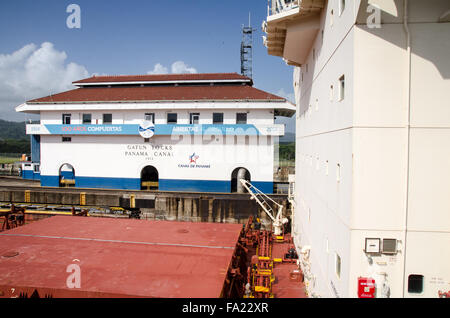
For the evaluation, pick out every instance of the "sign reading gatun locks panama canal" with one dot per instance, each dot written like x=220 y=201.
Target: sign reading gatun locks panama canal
x=149 y=151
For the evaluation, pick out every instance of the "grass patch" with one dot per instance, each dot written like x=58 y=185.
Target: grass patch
x=8 y=160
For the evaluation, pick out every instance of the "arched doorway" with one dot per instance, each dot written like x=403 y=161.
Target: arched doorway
x=236 y=175
x=149 y=178
x=66 y=176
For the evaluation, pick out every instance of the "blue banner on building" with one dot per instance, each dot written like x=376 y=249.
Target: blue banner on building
x=178 y=129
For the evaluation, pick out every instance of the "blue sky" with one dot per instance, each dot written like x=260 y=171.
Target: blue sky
x=131 y=37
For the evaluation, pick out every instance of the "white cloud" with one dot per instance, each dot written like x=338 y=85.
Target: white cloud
x=179 y=67
x=33 y=72
x=159 y=69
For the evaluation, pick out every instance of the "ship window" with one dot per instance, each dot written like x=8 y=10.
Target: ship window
x=87 y=119
x=341 y=7
x=107 y=118
x=241 y=118
x=66 y=119
x=150 y=117
x=218 y=118
x=172 y=118
x=342 y=88
x=415 y=284
x=194 y=118
x=338 y=265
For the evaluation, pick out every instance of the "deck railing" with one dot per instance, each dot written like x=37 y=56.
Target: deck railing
x=279 y=6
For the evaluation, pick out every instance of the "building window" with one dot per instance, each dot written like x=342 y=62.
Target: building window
x=217 y=118
x=172 y=118
x=332 y=17
x=331 y=93
x=107 y=119
x=66 y=119
x=338 y=265
x=415 y=284
x=66 y=139
x=150 y=117
x=87 y=119
x=338 y=173
x=146 y=139
x=194 y=118
x=341 y=7
x=341 y=88
x=241 y=118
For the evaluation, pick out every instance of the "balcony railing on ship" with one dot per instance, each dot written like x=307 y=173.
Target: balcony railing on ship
x=279 y=6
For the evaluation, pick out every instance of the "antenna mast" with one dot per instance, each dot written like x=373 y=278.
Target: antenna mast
x=247 y=49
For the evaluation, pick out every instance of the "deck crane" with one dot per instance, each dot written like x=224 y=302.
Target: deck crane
x=277 y=221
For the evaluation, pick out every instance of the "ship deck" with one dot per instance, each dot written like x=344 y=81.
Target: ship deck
x=286 y=284
x=116 y=258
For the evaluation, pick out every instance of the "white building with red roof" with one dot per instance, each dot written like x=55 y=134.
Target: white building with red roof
x=177 y=132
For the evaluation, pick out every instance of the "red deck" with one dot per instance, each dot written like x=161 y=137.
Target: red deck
x=285 y=286
x=117 y=257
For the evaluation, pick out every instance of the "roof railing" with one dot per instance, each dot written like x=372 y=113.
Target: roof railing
x=279 y=6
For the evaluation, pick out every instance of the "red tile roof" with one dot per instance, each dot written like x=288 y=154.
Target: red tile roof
x=164 y=77
x=160 y=93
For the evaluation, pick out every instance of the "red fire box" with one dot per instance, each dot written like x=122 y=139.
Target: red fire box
x=366 y=287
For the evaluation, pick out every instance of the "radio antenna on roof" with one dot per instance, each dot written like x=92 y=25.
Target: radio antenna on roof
x=247 y=49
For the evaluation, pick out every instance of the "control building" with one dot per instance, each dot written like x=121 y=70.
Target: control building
x=178 y=132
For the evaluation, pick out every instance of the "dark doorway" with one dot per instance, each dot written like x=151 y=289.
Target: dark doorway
x=149 y=178
x=239 y=173
x=66 y=176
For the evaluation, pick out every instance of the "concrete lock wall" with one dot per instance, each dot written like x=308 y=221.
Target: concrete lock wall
x=170 y=207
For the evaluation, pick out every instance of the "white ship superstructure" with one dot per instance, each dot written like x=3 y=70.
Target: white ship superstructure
x=371 y=198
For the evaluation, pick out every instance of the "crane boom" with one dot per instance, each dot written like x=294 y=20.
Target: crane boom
x=262 y=200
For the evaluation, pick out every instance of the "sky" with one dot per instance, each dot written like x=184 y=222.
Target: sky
x=41 y=55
